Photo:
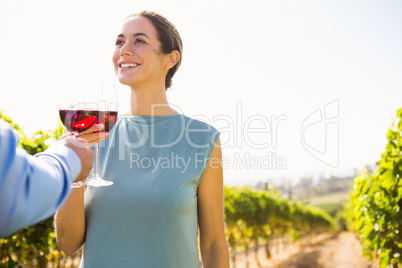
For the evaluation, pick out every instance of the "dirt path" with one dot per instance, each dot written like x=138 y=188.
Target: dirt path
x=326 y=251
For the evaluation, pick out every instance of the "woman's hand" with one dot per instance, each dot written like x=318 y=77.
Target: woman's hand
x=93 y=134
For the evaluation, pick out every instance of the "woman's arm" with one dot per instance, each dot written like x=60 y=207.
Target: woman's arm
x=70 y=223
x=214 y=248
x=70 y=218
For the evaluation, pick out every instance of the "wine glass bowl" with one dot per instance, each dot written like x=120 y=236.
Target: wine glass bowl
x=80 y=117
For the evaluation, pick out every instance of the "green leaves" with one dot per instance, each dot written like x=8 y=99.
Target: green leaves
x=377 y=203
x=254 y=214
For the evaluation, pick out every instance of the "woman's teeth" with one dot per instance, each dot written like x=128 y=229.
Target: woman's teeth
x=126 y=65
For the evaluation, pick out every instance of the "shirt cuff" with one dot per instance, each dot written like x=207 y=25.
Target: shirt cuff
x=68 y=156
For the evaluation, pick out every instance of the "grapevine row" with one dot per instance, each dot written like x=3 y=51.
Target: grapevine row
x=255 y=215
x=377 y=203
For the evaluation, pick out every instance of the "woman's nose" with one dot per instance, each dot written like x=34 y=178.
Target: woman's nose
x=126 y=50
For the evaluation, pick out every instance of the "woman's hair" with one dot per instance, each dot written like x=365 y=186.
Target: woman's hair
x=167 y=35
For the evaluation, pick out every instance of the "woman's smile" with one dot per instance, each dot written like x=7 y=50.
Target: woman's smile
x=123 y=66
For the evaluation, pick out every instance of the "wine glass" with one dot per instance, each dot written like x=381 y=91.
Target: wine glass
x=82 y=116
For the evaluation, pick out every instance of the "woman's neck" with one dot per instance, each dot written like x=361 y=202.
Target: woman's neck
x=150 y=102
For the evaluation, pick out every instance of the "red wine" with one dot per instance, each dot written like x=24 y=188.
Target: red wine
x=81 y=120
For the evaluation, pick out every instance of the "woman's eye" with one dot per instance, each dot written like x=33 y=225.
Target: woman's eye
x=139 y=41
x=119 y=42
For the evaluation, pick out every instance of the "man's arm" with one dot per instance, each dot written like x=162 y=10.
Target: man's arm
x=32 y=188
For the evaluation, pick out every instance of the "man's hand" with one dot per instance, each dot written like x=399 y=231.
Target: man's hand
x=81 y=145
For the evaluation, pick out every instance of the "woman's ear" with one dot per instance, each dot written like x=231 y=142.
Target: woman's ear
x=172 y=58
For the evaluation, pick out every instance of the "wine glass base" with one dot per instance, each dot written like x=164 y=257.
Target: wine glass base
x=97 y=182
x=77 y=184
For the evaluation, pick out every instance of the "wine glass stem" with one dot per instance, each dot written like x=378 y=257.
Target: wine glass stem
x=97 y=160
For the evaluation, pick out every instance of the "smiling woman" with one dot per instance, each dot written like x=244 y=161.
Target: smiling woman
x=166 y=187
x=162 y=39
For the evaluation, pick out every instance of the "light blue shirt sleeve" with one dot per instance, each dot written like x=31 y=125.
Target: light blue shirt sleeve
x=32 y=188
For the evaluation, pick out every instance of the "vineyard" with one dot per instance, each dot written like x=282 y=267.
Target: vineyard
x=254 y=217
x=260 y=218
x=377 y=203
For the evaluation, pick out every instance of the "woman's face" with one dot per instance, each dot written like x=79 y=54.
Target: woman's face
x=137 y=57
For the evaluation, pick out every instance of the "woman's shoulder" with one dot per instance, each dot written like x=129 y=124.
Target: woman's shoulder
x=199 y=132
x=193 y=124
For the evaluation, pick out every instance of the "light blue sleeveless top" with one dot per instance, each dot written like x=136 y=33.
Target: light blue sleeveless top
x=148 y=218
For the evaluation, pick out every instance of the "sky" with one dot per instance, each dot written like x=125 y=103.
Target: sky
x=297 y=88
